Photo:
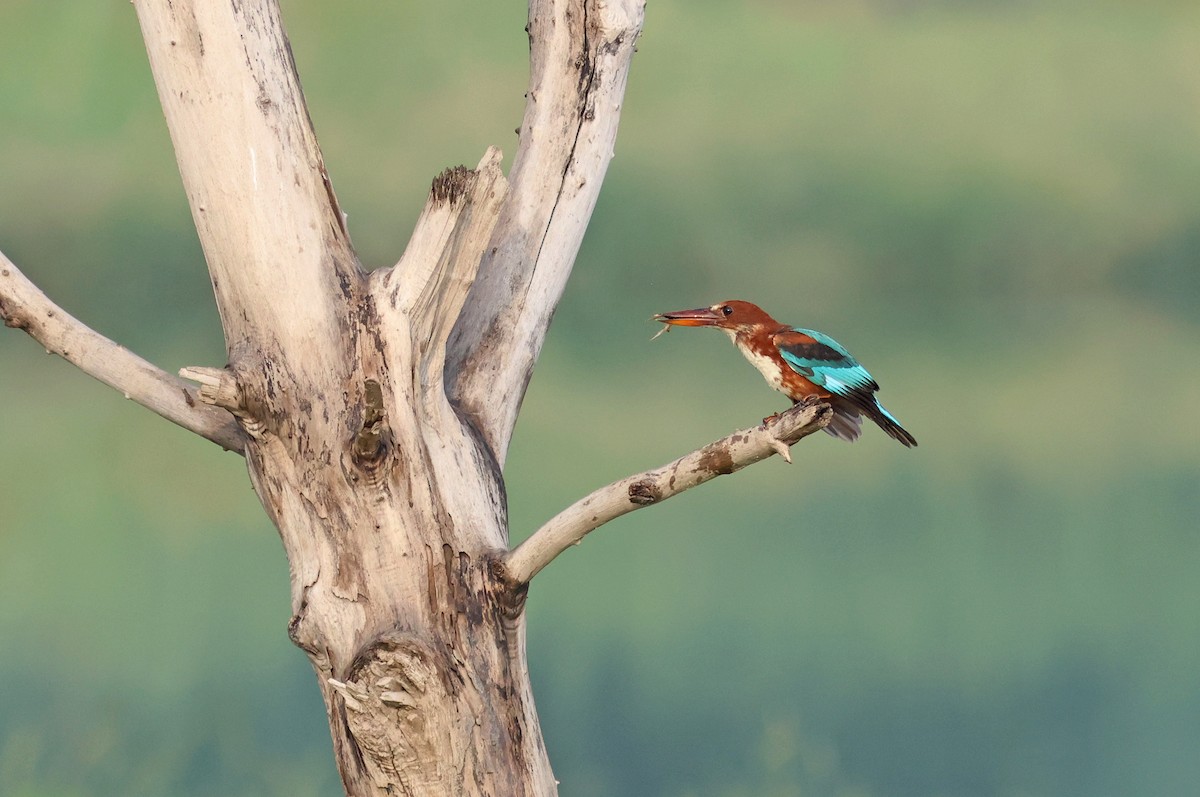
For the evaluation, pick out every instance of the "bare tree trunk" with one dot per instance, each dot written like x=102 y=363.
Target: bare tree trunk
x=375 y=410
x=385 y=487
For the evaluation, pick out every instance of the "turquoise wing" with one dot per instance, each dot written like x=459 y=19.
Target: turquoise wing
x=823 y=361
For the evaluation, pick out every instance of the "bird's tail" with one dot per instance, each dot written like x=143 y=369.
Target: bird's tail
x=847 y=422
x=888 y=423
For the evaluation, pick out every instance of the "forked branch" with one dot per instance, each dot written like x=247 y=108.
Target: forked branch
x=25 y=307
x=718 y=458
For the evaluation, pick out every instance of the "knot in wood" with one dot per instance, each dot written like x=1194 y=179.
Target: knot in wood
x=9 y=315
x=510 y=594
x=644 y=493
x=370 y=442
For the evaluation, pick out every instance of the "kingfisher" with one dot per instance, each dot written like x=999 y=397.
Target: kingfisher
x=799 y=363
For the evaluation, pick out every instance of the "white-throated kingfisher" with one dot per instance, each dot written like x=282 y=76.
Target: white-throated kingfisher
x=799 y=363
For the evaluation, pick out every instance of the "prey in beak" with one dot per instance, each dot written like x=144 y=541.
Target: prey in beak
x=700 y=317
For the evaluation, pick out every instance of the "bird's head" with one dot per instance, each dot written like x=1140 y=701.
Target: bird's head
x=732 y=316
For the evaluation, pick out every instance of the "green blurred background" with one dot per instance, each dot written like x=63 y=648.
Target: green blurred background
x=995 y=205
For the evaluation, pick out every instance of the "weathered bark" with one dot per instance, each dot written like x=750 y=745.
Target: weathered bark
x=375 y=410
x=389 y=497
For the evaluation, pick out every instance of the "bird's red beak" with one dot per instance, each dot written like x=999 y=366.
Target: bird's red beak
x=700 y=317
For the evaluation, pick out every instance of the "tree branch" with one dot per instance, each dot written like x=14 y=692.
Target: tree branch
x=273 y=234
x=727 y=455
x=580 y=51
x=23 y=306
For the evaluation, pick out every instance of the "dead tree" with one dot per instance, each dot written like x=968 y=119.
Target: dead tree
x=374 y=410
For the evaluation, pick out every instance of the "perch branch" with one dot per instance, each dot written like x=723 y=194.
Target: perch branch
x=718 y=458
x=23 y=306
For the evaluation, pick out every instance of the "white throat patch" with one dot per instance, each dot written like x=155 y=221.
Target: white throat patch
x=766 y=366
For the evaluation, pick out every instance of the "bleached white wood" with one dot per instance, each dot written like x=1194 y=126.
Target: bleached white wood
x=272 y=232
x=389 y=507
x=580 y=53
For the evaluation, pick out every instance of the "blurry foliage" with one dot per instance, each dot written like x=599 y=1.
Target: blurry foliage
x=994 y=204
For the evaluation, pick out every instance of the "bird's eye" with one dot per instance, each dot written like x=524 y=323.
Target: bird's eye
x=727 y=310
